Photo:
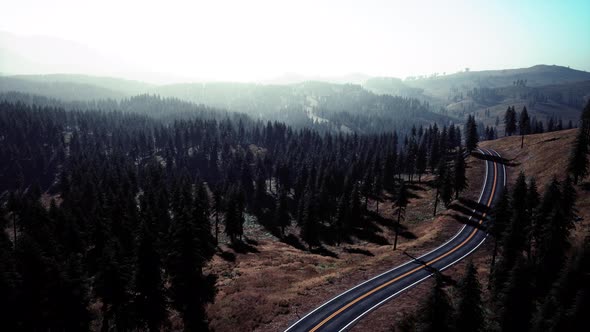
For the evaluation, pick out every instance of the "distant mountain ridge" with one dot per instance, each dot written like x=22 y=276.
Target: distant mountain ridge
x=548 y=91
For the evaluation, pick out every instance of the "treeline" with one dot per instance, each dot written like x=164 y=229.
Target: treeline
x=163 y=108
x=523 y=124
x=121 y=212
x=346 y=107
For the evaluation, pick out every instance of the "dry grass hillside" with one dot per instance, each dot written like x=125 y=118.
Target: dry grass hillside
x=544 y=156
x=269 y=283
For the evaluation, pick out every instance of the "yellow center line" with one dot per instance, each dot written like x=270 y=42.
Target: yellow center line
x=376 y=289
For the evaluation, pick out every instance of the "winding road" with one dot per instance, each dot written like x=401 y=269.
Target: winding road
x=344 y=310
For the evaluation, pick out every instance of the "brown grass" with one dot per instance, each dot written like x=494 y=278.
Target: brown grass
x=543 y=156
x=269 y=289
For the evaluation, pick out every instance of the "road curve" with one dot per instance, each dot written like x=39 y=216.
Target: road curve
x=344 y=310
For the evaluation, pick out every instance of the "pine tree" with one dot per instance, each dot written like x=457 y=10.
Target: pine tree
x=282 y=218
x=460 y=180
x=112 y=286
x=10 y=283
x=421 y=161
x=516 y=305
x=470 y=314
x=510 y=121
x=401 y=203
x=440 y=182
x=524 y=125
x=149 y=299
x=234 y=217
x=188 y=290
x=355 y=208
x=500 y=218
x=309 y=223
x=446 y=191
x=517 y=232
x=553 y=241
x=437 y=312
x=471 y=135
x=578 y=163
x=74 y=296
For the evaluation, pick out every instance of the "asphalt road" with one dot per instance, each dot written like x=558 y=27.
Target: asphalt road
x=343 y=311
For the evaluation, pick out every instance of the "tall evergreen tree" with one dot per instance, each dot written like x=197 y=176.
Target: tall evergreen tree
x=149 y=299
x=578 y=165
x=499 y=220
x=309 y=223
x=510 y=121
x=188 y=290
x=401 y=203
x=554 y=242
x=470 y=314
x=471 y=135
x=282 y=218
x=524 y=125
x=459 y=179
x=516 y=304
x=437 y=312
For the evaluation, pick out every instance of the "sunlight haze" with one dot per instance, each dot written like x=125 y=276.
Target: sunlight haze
x=262 y=40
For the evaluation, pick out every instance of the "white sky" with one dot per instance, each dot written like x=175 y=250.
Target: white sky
x=255 y=40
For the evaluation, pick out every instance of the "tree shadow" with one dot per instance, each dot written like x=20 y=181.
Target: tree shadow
x=370 y=235
x=293 y=241
x=473 y=204
x=323 y=251
x=252 y=242
x=474 y=222
x=585 y=186
x=500 y=160
x=243 y=247
x=407 y=234
x=359 y=251
x=379 y=219
x=415 y=187
x=227 y=256
x=460 y=208
x=265 y=219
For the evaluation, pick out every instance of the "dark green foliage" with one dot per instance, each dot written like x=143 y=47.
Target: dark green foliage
x=282 y=219
x=111 y=285
x=499 y=221
x=470 y=314
x=459 y=179
x=557 y=222
x=524 y=125
x=234 y=216
x=149 y=299
x=510 y=121
x=401 y=202
x=437 y=312
x=471 y=135
x=516 y=301
x=309 y=224
x=578 y=162
x=188 y=290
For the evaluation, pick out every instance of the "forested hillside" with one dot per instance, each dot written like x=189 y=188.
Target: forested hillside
x=122 y=211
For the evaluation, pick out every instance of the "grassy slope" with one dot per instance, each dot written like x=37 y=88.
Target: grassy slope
x=543 y=156
x=273 y=284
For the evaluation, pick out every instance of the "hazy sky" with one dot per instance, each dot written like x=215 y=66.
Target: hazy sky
x=255 y=40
